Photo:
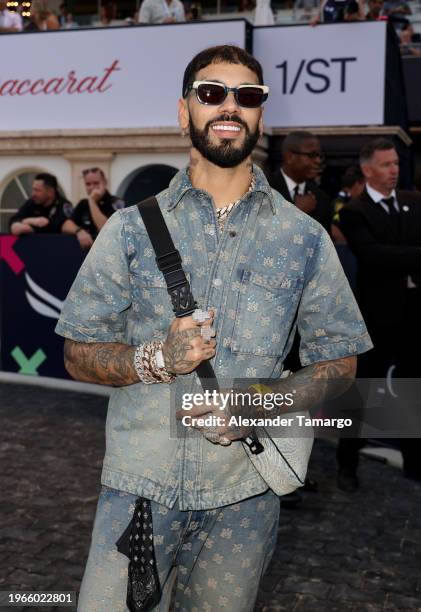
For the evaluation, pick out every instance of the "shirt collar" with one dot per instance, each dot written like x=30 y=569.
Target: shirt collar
x=180 y=185
x=376 y=196
x=291 y=184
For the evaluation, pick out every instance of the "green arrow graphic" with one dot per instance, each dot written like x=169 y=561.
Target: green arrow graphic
x=31 y=365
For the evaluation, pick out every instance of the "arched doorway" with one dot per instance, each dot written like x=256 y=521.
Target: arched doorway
x=145 y=182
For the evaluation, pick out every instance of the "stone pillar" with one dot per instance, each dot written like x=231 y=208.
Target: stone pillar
x=80 y=161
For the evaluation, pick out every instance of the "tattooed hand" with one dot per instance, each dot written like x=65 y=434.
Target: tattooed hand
x=184 y=348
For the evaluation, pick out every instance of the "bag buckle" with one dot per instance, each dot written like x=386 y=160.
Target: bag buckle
x=168 y=260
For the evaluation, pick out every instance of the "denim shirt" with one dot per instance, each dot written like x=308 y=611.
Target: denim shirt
x=272 y=268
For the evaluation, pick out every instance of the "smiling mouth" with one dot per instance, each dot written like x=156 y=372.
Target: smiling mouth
x=226 y=129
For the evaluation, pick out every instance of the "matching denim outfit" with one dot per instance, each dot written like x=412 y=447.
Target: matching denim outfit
x=271 y=269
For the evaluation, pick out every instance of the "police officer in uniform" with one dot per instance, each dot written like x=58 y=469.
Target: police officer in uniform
x=92 y=212
x=44 y=212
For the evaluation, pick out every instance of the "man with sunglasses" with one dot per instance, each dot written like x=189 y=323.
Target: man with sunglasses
x=259 y=265
x=302 y=163
x=92 y=212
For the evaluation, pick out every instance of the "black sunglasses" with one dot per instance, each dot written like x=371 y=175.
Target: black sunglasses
x=310 y=154
x=248 y=96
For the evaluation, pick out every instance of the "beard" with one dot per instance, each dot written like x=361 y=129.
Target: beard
x=226 y=154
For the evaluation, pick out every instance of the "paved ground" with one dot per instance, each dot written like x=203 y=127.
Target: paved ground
x=338 y=552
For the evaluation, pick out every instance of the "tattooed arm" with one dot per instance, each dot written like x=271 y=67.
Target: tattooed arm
x=310 y=386
x=111 y=363
x=318 y=382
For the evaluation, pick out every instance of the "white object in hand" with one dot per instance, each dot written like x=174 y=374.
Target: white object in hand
x=200 y=316
x=207 y=333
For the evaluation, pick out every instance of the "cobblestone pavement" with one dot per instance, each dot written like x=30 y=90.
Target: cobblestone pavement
x=337 y=552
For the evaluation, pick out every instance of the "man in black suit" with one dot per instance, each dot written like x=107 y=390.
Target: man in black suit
x=383 y=229
x=302 y=160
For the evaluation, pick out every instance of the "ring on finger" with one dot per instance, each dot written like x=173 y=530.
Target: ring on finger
x=207 y=333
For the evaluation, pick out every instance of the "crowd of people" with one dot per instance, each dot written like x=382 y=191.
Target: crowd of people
x=43 y=18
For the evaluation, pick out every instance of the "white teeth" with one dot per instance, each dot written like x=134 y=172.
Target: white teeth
x=228 y=128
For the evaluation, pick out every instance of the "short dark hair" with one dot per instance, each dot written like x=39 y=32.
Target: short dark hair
x=221 y=54
x=49 y=180
x=377 y=144
x=295 y=139
x=351 y=176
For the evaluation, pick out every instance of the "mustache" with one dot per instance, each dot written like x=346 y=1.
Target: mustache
x=227 y=117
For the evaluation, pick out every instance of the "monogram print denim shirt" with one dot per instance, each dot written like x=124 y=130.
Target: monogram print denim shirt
x=272 y=267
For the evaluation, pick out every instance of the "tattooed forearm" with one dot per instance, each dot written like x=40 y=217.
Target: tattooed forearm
x=105 y=363
x=315 y=384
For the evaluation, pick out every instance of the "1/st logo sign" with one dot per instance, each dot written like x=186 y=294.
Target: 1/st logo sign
x=317 y=75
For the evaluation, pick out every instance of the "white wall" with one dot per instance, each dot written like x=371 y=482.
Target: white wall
x=10 y=166
x=122 y=165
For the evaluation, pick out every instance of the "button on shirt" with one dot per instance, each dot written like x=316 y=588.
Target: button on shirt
x=283 y=261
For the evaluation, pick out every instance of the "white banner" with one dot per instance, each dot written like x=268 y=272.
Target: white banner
x=102 y=78
x=326 y=75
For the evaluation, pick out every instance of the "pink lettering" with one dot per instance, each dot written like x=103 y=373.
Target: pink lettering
x=23 y=84
x=86 y=84
x=53 y=86
x=72 y=88
x=108 y=71
x=7 y=88
x=36 y=84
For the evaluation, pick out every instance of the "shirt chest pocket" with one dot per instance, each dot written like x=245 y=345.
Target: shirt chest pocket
x=266 y=310
x=152 y=298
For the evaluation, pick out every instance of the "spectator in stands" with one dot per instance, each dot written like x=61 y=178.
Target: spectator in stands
x=108 y=12
x=69 y=23
x=92 y=212
x=383 y=229
x=302 y=160
x=42 y=18
x=334 y=11
x=375 y=8
x=352 y=11
x=10 y=21
x=62 y=17
x=45 y=211
x=408 y=39
x=161 y=11
x=396 y=9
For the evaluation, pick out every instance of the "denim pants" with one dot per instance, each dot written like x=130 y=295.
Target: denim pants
x=216 y=557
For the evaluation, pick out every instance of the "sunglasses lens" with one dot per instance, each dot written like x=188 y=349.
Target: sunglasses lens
x=211 y=93
x=250 y=97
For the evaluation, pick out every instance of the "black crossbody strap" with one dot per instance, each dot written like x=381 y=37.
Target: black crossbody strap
x=167 y=258
x=169 y=262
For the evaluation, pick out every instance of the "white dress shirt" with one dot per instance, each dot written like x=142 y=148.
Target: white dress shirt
x=292 y=185
x=9 y=19
x=378 y=198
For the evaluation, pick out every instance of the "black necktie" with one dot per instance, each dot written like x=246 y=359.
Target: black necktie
x=295 y=192
x=390 y=203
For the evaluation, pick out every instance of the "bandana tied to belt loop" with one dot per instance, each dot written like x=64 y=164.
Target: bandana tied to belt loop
x=143 y=587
